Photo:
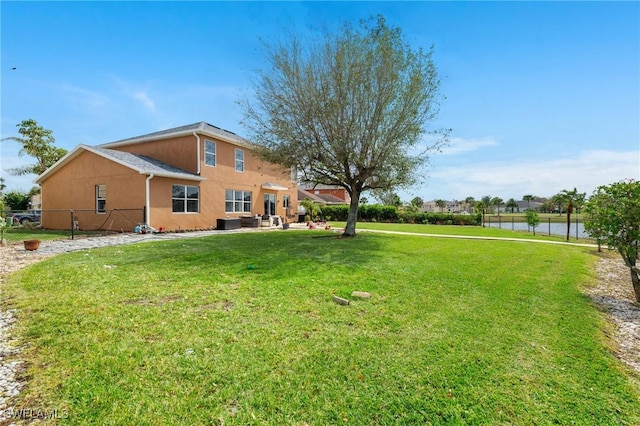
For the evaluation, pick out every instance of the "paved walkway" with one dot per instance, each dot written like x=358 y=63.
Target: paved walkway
x=471 y=237
x=48 y=248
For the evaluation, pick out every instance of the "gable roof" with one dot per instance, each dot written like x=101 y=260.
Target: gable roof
x=319 y=198
x=202 y=128
x=140 y=163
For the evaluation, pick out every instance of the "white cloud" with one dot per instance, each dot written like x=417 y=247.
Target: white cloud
x=85 y=100
x=543 y=177
x=144 y=98
x=460 y=145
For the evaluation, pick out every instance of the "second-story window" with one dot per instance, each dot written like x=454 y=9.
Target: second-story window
x=209 y=153
x=239 y=160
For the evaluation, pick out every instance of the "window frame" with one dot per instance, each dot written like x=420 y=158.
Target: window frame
x=239 y=161
x=102 y=199
x=214 y=153
x=235 y=197
x=185 y=199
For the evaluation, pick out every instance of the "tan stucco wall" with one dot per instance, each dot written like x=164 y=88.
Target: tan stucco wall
x=180 y=152
x=219 y=178
x=72 y=187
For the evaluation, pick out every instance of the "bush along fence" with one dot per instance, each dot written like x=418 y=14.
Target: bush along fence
x=393 y=214
x=62 y=224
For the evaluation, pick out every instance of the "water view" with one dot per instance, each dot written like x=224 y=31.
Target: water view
x=544 y=228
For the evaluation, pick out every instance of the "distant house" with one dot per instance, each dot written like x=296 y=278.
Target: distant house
x=182 y=178
x=523 y=206
x=449 y=207
x=324 y=194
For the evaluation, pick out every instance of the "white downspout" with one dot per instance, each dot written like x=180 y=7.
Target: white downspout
x=148 y=200
x=197 y=150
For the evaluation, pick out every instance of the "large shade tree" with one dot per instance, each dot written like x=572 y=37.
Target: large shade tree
x=349 y=110
x=37 y=142
x=612 y=216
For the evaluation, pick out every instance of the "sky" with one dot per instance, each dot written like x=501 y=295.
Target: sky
x=539 y=96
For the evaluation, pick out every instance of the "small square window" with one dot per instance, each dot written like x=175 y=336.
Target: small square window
x=185 y=199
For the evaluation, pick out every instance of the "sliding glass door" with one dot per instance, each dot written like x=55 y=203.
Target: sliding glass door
x=270 y=204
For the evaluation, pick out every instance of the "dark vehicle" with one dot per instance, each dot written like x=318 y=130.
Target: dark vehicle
x=32 y=216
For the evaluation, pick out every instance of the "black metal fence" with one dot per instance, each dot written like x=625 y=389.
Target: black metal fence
x=547 y=226
x=68 y=224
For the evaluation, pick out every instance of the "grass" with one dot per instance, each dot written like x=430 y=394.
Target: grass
x=241 y=329
x=456 y=230
x=544 y=217
x=19 y=234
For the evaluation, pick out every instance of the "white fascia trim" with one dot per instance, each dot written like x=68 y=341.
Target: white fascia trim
x=172 y=175
x=243 y=143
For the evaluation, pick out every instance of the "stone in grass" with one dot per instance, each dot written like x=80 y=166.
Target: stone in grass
x=361 y=294
x=340 y=300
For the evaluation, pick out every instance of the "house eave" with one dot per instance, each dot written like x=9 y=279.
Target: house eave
x=173 y=175
x=243 y=143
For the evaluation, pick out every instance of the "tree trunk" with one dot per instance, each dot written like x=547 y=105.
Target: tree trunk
x=630 y=262
x=569 y=211
x=635 y=280
x=352 y=217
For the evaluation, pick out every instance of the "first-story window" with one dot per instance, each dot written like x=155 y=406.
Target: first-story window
x=101 y=198
x=237 y=201
x=185 y=199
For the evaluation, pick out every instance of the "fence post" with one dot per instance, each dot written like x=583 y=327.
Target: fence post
x=549 y=226
x=72 y=224
x=577 y=229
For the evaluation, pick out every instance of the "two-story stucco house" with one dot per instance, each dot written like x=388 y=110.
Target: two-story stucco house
x=181 y=178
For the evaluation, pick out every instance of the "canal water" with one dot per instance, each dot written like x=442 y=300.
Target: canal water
x=544 y=228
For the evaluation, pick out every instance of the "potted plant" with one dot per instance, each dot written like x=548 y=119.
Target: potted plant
x=31 y=245
x=285 y=221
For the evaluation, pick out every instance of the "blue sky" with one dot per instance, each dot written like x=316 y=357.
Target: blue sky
x=540 y=96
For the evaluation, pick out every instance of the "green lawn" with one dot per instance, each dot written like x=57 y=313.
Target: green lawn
x=241 y=329
x=457 y=230
x=18 y=234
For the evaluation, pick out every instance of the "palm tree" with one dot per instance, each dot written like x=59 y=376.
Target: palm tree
x=487 y=201
x=512 y=204
x=528 y=199
x=37 y=142
x=441 y=204
x=481 y=207
x=570 y=199
x=497 y=201
x=417 y=202
x=470 y=202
